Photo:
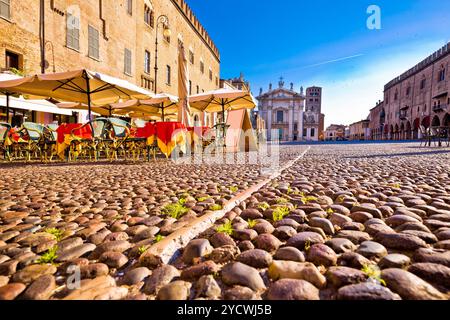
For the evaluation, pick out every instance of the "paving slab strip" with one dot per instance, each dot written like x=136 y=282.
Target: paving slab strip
x=168 y=249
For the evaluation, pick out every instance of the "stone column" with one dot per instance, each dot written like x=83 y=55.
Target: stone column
x=300 y=124
x=291 y=123
x=269 y=123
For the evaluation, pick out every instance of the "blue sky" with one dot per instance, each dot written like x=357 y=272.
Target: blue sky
x=324 y=43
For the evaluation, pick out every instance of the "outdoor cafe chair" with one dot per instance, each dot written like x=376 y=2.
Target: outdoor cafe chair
x=50 y=140
x=119 y=133
x=221 y=130
x=4 y=147
x=32 y=143
x=92 y=146
x=427 y=136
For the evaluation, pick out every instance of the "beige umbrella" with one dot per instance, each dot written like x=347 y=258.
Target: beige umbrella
x=106 y=111
x=83 y=86
x=160 y=105
x=222 y=100
x=184 y=110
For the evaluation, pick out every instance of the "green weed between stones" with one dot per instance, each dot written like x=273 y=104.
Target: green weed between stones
x=201 y=199
x=159 y=238
x=307 y=245
x=308 y=199
x=48 y=257
x=225 y=228
x=233 y=189
x=263 y=206
x=58 y=234
x=280 y=213
x=175 y=210
x=281 y=200
x=215 y=207
x=142 y=249
x=251 y=223
x=373 y=272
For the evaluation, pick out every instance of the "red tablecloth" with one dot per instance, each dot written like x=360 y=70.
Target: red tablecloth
x=85 y=132
x=144 y=132
x=170 y=135
x=65 y=136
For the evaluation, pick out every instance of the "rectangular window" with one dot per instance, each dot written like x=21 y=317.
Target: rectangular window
x=313 y=132
x=130 y=7
x=198 y=89
x=149 y=16
x=190 y=87
x=127 y=62
x=441 y=75
x=5 y=9
x=210 y=75
x=408 y=91
x=191 y=56
x=305 y=132
x=73 y=32
x=93 y=40
x=168 y=75
x=147 y=83
x=147 y=66
x=12 y=60
x=202 y=67
x=280 y=116
x=423 y=83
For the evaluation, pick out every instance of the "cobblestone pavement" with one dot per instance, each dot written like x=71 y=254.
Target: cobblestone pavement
x=344 y=222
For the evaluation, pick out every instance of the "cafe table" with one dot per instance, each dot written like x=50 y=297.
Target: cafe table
x=171 y=135
x=440 y=133
x=68 y=132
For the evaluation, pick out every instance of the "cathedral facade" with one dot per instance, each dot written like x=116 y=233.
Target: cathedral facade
x=291 y=115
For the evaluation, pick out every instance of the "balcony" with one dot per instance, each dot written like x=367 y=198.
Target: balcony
x=440 y=108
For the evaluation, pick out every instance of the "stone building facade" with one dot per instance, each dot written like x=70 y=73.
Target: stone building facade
x=113 y=37
x=314 y=120
x=282 y=110
x=377 y=118
x=291 y=113
x=418 y=97
x=335 y=132
x=359 y=131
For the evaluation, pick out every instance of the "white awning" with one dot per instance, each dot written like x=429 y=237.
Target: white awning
x=33 y=105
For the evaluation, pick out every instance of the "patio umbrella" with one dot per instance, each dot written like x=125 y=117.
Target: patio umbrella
x=105 y=111
x=159 y=105
x=184 y=110
x=222 y=100
x=8 y=93
x=83 y=86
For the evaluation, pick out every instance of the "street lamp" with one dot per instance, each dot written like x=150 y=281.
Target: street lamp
x=49 y=44
x=164 y=21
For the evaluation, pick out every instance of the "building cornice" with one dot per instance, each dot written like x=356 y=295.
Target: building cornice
x=435 y=57
x=188 y=14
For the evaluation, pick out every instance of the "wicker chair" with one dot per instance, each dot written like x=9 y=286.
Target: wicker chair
x=426 y=136
x=138 y=146
x=33 y=144
x=91 y=147
x=50 y=139
x=221 y=130
x=120 y=132
x=4 y=147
